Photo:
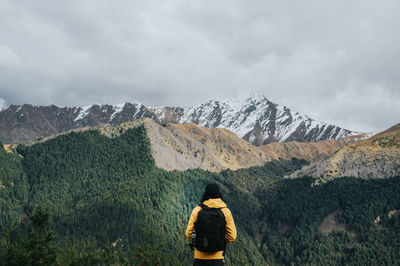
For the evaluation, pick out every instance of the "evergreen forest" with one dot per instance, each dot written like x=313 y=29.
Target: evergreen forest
x=85 y=199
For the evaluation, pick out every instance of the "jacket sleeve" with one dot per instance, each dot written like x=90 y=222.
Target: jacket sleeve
x=190 y=225
x=231 y=232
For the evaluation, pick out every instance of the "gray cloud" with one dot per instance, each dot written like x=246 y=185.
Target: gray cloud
x=335 y=61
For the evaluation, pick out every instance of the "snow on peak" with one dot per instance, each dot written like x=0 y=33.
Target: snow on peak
x=83 y=113
x=117 y=109
x=252 y=117
x=238 y=115
x=255 y=114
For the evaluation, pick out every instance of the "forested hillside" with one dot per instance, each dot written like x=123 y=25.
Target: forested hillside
x=14 y=187
x=109 y=204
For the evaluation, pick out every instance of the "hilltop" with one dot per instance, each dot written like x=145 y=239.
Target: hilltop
x=309 y=151
x=189 y=146
x=375 y=157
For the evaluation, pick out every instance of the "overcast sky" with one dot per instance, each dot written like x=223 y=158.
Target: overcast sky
x=335 y=61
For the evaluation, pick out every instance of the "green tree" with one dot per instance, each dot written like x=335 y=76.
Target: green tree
x=35 y=247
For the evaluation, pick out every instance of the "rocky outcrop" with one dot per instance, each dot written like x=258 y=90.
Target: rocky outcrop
x=376 y=157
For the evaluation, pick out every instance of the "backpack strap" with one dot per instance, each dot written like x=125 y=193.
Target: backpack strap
x=203 y=206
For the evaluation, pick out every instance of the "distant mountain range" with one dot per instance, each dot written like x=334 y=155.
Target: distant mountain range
x=253 y=118
x=190 y=146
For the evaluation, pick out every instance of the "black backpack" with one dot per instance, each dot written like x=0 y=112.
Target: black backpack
x=210 y=229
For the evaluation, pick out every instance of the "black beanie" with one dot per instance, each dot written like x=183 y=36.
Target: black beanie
x=212 y=192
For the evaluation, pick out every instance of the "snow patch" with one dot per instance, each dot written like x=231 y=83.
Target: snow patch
x=104 y=108
x=159 y=112
x=138 y=109
x=252 y=138
x=117 y=109
x=83 y=113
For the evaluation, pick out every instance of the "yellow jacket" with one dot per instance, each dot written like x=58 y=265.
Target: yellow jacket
x=230 y=235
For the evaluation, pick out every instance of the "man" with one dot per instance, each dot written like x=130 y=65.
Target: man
x=212 y=198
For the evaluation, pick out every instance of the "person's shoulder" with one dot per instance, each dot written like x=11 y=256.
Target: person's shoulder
x=196 y=209
x=226 y=211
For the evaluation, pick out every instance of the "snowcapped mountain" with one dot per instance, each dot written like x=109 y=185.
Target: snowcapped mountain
x=253 y=118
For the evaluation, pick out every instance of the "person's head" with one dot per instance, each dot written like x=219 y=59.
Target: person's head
x=212 y=192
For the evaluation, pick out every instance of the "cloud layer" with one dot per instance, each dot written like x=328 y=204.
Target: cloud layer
x=335 y=61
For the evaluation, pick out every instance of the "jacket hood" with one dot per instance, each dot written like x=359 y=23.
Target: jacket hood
x=215 y=203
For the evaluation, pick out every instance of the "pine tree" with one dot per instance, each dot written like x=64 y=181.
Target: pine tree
x=35 y=247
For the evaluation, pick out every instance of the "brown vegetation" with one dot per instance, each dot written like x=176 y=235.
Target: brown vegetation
x=376 y=157
x=331 y=223
x=311 y=151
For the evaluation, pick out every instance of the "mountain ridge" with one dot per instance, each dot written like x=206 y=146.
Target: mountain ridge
x=310 y=151
x=254 y=119
x=189 y=146
x=375 y=157
x=184 y=146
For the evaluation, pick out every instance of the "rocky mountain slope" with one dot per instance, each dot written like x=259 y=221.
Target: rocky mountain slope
x=309 y=151
x=312 y=151
x=26 y=123
x=188 y=146
x=216 y=148
x=376 y=157
x=254 y=118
